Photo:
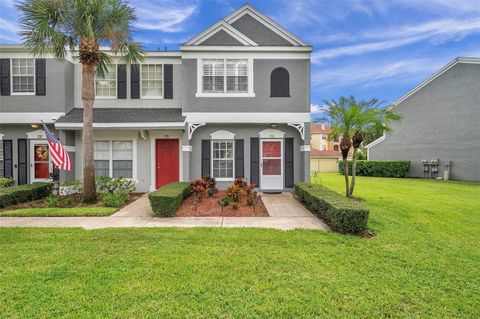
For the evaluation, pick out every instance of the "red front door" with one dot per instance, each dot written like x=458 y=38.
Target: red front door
x=166 y=162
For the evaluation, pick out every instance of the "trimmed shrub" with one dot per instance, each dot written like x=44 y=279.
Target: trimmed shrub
x=6 y=182
x=115 y=185
x=378 y=168
x=24 y=193
x=52 y=201
x=342 y=214
x=114 y=199
x=166 y=200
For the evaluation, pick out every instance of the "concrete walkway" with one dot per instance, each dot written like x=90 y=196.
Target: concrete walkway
x=285 y=214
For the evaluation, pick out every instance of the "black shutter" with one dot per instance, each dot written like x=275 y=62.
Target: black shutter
x=22 y=161
x=280 y=83
x=255 y=161
x=121 y=81
x=288 y=157
x=239 y=161
x=168 y=81
x=135 y=81
x=5 y=76
x=205 y=157
x=40 y=77
x=7 y=158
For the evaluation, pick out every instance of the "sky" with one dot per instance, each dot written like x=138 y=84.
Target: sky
x=370 y=49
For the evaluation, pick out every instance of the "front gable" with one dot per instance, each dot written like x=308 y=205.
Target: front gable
x=258 y=32
x=221 y=37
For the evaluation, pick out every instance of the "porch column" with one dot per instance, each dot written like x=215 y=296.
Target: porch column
x=186 y=156
x=305 y=153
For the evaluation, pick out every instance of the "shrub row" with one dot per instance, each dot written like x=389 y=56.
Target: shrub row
x=378 y=168
x=6 y=182
x=342 y=214
x=24 y=193
x=166 y=200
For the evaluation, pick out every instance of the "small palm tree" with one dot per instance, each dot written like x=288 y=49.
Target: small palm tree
x=352 y=122
x=59 y=25
x=370 y=120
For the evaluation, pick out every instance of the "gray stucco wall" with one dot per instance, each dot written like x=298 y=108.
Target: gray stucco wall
x=19 y=131
x=221 y=38
x=176 y=102
x=441 y=121
x=56 y=98
x=299 y=100
x=258 y=32
x=245 y=132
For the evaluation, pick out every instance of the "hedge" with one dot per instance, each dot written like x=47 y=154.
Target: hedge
x=378 y=168
x=342 y=214
x=166 y=200
x=24 y=193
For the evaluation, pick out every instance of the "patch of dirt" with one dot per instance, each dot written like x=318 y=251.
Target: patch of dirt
x=210 y=207
x=68 y=201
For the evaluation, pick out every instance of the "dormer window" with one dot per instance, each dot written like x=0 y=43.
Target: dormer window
x=225 y=78
x=23 y=76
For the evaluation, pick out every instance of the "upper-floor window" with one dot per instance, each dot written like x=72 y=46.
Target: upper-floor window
x=324 y=137
x=335 y=147
x=152 y=80
x=23 y=76
x=280 y=83
x=106 y=85
x=225 y=77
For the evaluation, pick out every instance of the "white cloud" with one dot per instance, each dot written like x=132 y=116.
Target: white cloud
x=317 y=109
x=165 y=15
x=435 y=31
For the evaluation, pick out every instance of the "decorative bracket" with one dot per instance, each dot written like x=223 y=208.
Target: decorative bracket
x=192 y=127
x=300 y=128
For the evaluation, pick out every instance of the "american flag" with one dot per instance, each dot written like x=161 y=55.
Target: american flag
x=59 y=154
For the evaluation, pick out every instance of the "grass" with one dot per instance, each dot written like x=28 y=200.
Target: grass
x=422 y=263
x=74 y=211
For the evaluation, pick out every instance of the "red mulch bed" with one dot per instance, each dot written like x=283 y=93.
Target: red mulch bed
x=210 y=207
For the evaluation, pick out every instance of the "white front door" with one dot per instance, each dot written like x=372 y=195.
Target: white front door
x=39 y=161
x=271 y=164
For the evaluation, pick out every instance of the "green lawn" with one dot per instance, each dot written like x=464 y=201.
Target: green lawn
x=424 y=262
x=74 y=211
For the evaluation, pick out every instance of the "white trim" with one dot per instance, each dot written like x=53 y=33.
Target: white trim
x=140 y=125
x=246 y=117
x=70 y=149
x=305 y=148
x=1 y=136
x=434 y=76
x=37 y=135
x=249 y=93
x=34 y=77
x=300 y=128
x=250 y=54
x=233 y=48
x=269 y=23
x=271 y=133
x=32 y=160
x=377 y=141
x=187 y=148
x=222 y=135
x=282 y=150
x=29 y=117
x=223 y=179
x=221 y=25
x=192 y=127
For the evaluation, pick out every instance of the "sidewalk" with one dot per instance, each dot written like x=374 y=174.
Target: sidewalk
x=285 y=213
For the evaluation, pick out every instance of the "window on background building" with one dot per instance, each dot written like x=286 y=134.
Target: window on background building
x=324 y=137
x=106 y=85
x=218 y=72
x=23 y=76
x=335 y=147
x=152 y=80
x=222 y=159
x=113 y=158
x=324 y=147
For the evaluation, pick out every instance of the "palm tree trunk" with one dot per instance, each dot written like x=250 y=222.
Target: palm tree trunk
x=88 y=97
x=354 y=170
x=345 y=172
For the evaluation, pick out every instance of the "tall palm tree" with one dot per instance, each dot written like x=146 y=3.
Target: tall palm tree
x=369 y=120
x=59 y=25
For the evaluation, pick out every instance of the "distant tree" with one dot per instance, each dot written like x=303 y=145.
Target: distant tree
x=84 y=25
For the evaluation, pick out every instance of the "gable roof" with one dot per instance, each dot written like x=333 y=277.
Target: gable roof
x=280 y=36
x=425 y=83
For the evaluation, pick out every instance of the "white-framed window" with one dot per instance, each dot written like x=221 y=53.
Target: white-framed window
x=324 y=137
x=324 y=147
x=151 y=80
x=106 y=85
x=223 y=158
x=23 y=76
x=114 y=158
x=225 y=78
